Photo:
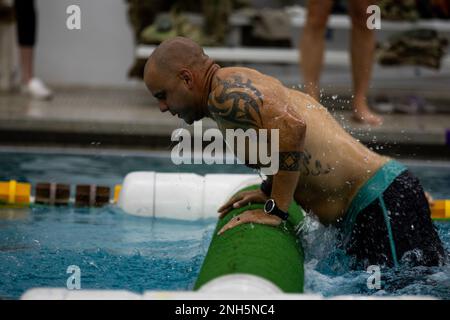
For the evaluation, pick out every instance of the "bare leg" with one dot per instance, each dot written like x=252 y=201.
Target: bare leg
x=26 y=59
x=362 y=53
x=30 y=85
x=312 y=44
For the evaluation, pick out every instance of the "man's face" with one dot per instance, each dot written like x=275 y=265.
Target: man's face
x=173 y=95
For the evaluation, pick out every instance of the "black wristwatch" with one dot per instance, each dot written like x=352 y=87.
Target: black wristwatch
x=270 y=207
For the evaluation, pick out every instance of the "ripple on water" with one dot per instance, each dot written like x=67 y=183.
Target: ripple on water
x=328 y=272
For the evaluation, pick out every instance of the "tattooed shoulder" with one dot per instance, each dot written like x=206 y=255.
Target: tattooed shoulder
x=238 y=101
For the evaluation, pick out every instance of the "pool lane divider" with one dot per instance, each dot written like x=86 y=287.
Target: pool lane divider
x=440 y=210
x=13 y=193
x=52 y=194
x=254 y=255
x=18 y=194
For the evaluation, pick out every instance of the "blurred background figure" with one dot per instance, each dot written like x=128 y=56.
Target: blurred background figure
x=8 y=54
x=26 y=35
x=362 y=53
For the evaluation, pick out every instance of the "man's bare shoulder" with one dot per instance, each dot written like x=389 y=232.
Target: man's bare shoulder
x=235 y=98
x=236 y=79
x=230 y=72
x=240 y=78
x=246 y=75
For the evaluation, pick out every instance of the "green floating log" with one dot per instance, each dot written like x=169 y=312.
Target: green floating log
x=272 y=253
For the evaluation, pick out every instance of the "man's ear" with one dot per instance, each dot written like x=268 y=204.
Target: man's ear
x=187 y=77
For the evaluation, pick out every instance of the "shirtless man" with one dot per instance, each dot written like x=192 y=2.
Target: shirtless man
x=376 y=202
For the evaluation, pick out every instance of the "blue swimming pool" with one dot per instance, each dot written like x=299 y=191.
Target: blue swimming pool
x=117 y=251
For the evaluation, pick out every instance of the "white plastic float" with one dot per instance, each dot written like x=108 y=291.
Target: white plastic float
x=64 y=294
x=184 y=196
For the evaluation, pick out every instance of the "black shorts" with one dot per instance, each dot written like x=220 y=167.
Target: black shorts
x=398 y=229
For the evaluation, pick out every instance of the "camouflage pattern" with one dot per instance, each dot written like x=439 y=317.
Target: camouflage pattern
x=419 y=47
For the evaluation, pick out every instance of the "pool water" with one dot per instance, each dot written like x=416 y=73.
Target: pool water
x=117 y=251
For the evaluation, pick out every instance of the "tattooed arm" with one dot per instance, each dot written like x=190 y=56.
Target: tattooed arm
x=238 y=103
x=292 y=136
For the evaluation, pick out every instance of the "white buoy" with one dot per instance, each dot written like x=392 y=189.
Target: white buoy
x=184 y=196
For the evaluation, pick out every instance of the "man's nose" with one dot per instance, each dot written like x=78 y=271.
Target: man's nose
x=163 y=106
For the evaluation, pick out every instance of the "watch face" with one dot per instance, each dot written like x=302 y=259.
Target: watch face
x=269 y=206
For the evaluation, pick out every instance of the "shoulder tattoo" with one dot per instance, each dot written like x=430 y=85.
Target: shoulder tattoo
x=238 y=102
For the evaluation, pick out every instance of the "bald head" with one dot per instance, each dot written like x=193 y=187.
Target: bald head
x=175 y=54
x=179 y=74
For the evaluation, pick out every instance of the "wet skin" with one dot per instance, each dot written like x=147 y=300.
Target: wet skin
x=331 y=164
x=321 y=166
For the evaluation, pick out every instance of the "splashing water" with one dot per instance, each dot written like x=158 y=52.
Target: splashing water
x=328 y=269
x=117 y=251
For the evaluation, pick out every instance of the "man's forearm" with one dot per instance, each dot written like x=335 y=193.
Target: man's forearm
x=292 y=142
x=285 y=181
x=283 y=188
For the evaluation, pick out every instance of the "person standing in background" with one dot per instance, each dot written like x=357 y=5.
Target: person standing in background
x=26 y=34
x=362 y=53
x=8 y=54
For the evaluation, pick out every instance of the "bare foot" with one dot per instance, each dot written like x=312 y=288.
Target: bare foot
x=364 y=115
